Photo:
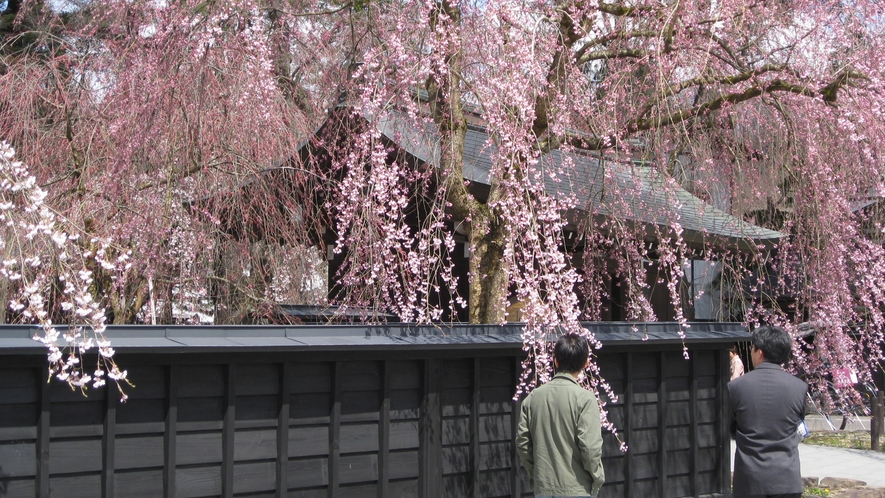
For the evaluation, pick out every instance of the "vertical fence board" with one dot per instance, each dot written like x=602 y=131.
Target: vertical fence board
x=335 y=432
x=43 y=437
x=877 y=426
x=723 y=422
x=282 y=463
x=662 y=424
x=108 y=440
x=430 y=452
x=228 y=433
x=693 y=422
x=628 y=420
x=516 y=410
x=170 y=429
x=384 y=433
x=474 y=430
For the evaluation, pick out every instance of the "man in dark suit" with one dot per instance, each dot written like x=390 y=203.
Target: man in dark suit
x=767 y=405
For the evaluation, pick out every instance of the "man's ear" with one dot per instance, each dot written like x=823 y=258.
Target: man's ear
x=586 y=363
x=555 y=364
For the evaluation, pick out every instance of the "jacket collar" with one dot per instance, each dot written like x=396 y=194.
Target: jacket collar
x=564 y=375
x=767 y=365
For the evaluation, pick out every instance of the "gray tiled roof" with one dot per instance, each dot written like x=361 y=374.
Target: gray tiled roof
x=601 y=187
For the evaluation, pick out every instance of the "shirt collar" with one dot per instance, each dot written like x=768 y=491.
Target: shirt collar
x=565 y=375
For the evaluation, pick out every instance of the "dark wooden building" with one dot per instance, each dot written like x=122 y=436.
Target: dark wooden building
x=635 y=193
x=349 y=411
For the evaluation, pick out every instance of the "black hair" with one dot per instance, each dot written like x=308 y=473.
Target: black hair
x=571 y=352
x=774 y=342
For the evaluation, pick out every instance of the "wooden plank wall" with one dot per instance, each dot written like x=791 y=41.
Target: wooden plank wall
x=668 y=413
x=382 y=427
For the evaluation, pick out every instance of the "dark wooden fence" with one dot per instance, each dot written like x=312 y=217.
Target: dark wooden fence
x=348 y=411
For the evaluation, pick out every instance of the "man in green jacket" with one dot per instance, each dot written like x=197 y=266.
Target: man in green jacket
x=560 y=438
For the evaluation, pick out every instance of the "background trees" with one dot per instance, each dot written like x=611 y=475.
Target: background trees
x=128 y=110
x=767 y=110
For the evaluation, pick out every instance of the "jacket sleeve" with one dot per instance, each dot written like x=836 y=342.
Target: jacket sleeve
x=524 y=439
x=590 y=443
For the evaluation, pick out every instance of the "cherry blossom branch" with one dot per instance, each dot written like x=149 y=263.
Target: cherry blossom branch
x=44 y=256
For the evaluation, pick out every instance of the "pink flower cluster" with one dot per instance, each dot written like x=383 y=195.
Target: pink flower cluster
x=46 y=267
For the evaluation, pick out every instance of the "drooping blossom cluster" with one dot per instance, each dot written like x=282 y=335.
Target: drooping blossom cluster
x=174 y=126
x=47 y=267
x=732 y=102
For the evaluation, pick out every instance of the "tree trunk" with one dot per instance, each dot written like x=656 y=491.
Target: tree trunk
x=487 y=235
x=488 y=272
x=126 y=305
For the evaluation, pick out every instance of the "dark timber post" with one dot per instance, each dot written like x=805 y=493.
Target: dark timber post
x=693 y=422
x=474 y=430
x=335 y=431
x=227 y=433
x=112 y=395
x=628 y=418
x=881 y=423
x=282 y=465
x=169 y=434
x=724 y=421
x=430 y=453
x=662 y=425
x=384 y=432
x=515 y=413
x=874 y=424
x=876 y=427
x=43 y=437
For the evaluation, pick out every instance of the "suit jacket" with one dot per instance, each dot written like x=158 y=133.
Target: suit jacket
x=767 y=405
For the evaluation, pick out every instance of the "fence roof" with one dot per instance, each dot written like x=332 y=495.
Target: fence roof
x=18 y=339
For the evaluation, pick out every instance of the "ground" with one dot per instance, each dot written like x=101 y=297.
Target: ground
x=844 y=439
x=833 y=487
x=836 y=487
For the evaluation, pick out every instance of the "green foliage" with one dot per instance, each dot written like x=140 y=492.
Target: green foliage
x=815 y=491
x=859 y=440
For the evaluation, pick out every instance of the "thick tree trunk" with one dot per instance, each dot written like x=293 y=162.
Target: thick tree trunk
x=488 y=273
x=125 y=308
x=487 y=235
